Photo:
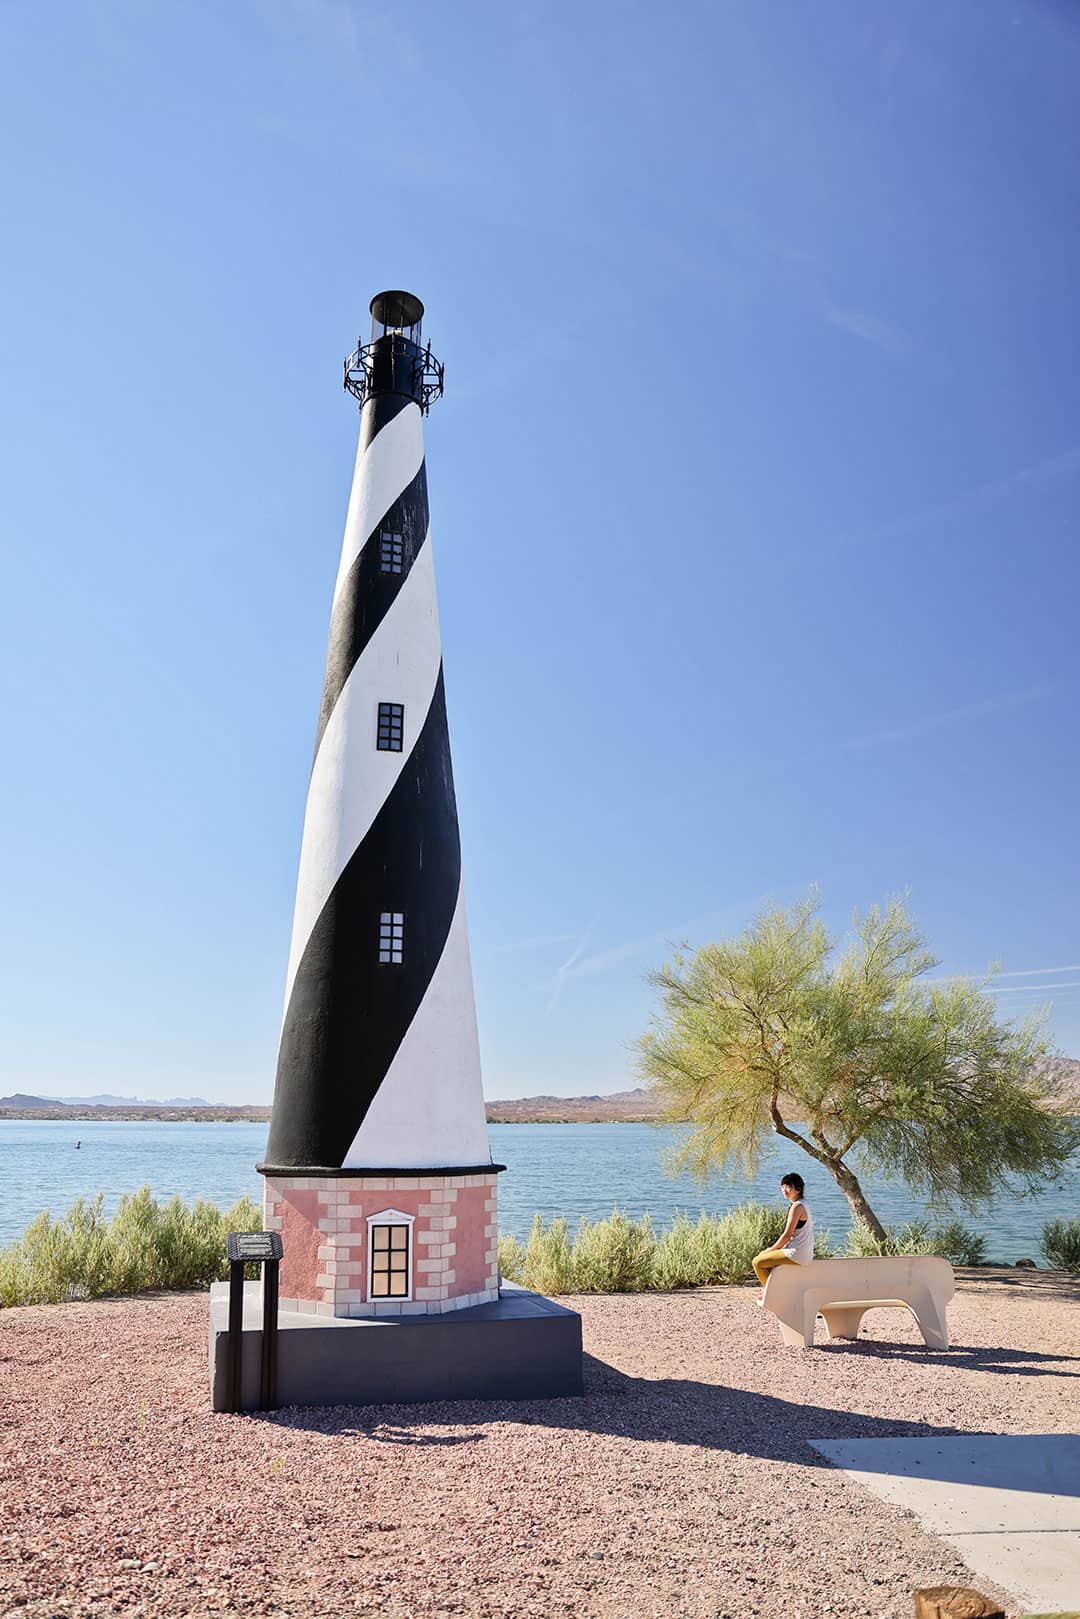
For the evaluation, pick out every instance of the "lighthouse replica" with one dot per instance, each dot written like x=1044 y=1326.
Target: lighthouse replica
x=378 y=1171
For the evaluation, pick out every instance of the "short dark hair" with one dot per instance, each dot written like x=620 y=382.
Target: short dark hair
x=796 y=1181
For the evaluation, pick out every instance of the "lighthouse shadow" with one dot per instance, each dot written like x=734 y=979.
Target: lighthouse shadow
x=680 y=1411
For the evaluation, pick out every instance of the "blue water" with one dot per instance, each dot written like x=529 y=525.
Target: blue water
x=568 y=1169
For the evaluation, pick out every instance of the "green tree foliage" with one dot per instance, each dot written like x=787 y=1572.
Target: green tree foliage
x=854 y=1057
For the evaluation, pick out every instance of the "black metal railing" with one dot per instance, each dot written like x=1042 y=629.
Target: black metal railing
x=392 y=364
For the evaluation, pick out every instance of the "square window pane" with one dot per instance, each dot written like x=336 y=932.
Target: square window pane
x=399 y=1236
x=381 y=1237
x=391 y=938
x=380 y=1287
x=398 y=1287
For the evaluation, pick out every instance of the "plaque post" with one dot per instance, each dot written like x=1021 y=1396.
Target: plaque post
x=246 y=1248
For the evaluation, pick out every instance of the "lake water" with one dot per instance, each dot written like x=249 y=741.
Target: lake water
x=568 y=1169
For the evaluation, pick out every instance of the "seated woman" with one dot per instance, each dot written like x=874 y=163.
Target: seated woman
x=795 y=1244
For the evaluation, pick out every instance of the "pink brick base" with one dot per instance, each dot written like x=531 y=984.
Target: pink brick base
x=324 y=1233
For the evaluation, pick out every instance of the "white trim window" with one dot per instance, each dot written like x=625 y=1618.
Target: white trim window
x=390 y=1257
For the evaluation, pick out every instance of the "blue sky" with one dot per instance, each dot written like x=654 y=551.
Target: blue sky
x=754 y=494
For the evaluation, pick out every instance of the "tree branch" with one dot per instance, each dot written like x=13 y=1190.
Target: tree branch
x=783 y=1129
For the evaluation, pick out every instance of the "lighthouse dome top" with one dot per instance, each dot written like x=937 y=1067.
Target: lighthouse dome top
x=394 y=360
x=396 y=311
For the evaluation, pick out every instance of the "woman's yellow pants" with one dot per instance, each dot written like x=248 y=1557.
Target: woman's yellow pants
x=764 y=1262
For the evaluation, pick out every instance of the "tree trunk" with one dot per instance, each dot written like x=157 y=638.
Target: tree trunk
x=841 y=1174
x=856 y=1197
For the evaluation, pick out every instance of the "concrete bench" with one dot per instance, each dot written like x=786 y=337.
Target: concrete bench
x=842 y=1290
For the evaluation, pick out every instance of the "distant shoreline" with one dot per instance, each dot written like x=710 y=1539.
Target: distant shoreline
x=620 y=1107
x=72 y=1113
x=623 y=1107
x=261 y=1115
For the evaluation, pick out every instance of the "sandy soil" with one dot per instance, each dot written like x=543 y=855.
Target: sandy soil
x=681 y=1487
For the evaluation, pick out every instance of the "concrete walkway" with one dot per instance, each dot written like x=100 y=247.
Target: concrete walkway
x=1009 y=1503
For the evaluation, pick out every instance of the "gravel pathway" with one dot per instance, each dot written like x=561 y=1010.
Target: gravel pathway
x=680 y=1487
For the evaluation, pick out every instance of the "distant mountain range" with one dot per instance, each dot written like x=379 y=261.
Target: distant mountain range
x=135 y=1101
x=20 y=1099
x=21 y=1105
x=622 y=1107
x=631 y=1106
x=616 y=1107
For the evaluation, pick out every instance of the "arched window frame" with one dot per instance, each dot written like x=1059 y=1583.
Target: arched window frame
x=391 y=1217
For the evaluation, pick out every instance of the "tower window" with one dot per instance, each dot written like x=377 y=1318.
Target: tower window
x=391 y=553
x=391 y=722
x=389 y=1261
x=390 y=1255
x=391 y=938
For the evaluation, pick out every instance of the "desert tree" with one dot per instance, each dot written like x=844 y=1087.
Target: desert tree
x=857 y=1058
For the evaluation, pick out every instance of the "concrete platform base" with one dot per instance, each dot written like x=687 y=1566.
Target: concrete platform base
x=518 y=1347
x=1009 y=1503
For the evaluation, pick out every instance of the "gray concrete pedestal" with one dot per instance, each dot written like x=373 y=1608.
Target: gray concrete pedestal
x=520 y=1346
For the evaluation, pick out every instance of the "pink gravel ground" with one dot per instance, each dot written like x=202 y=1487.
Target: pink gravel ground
x=681 y=1486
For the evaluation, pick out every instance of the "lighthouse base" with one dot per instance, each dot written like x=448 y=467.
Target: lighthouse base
x=444 y=1226
x=519 y=1346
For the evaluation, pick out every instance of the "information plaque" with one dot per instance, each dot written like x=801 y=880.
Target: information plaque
x=253 y=1245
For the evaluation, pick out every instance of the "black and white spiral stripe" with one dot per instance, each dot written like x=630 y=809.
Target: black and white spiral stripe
x=379 y=1064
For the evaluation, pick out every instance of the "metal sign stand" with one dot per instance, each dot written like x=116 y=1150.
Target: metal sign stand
x=246 y=1248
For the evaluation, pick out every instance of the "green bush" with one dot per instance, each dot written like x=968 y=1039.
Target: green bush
x=1061 y=1244
x=548 y=1266
x=57 y=1260
x=912 y=1238
x=614 y=1255
x=740 y=1234
x=619 y=1255
x=678 y=1258
x=143 y=1246
x=511 y=1259
x=954 y=1241
x=960 y=1244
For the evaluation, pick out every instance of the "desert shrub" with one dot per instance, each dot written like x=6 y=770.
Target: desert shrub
x=614 y=1255
x=677 y=1261
x=619 y=1255
x=914 y=1237
x=511 y=1259
x=1061 y=1244
x=958 y=1243
x=134 y=1231
x=143 y=1246
x=734 y=1239
x=57 y=1259
x=548 y=1266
